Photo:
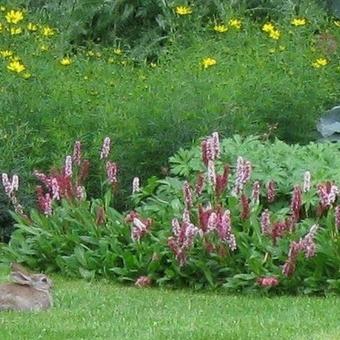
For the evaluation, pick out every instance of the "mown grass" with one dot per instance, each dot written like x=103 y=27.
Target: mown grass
x=102 y=310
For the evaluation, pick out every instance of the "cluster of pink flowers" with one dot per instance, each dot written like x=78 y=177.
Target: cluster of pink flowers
x=10 y=187
x=221 y=181
x=305 y=245
x=199 y=184
x=277 y=229
x=187 y=195
x=59 y=184
x=140 y=226
x=243 y=173
x=327 y=194
x=267 y=281
x=104 y=153
x=182 y=240
x=220 y=222
x=306 y=181
x=111 y=172
x=255 y=195
x=245 y=209
x=143 y=281
x=135 y=185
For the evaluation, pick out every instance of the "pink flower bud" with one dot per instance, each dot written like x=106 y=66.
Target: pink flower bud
x=77 y=152
x=296 y=202
x=211 y=173
x=111 y=172
x=243 y=173
x=55 y=189
x=255 y=196
x=265 y=223
x=187 y=195
x=268 y=281
x=271 y=191
x=80 y=193
x=143 y=281
x=135 y=185
x=306 y=181
x=68 y=166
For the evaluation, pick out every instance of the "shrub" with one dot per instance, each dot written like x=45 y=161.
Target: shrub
x=262 y=224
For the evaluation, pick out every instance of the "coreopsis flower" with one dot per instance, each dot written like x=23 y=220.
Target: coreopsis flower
x=320 y=62
x=298 y=22
x=187 y=195
x=271 y=191
x=105 y=148
x=66 y=61
x=211 y=173
x=265 y=223
x=337 y=217
x=76 y=157
x=275 y=34
x=182 y=240
x=296 y=202
x=15 y=30
x=268 y=281
x=13 y=17
x=118 y=51
x=245 y=210
x=255 y=195
x=235 y=23
x=143 y=281
x=47 y=31
x=208 y=62
x=183 y=10
x=306 y=181
x=222 y=181
x=111 y=172
x=268 y=27
x=327 y=194
x=220 y=28
x=16 y=66
x=68 y=166
x=6 y=53
x=135 y=185
x=199 y=184
x=243 y=173
x=32 y=27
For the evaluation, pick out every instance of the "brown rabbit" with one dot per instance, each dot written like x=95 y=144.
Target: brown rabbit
x=26 y=292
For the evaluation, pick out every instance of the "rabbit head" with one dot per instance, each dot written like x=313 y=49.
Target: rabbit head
x=21 y=276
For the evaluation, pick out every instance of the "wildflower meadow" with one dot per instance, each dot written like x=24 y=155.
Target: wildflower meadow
x=167 y=151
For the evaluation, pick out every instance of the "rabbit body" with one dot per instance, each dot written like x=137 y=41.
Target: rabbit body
x=27 y=292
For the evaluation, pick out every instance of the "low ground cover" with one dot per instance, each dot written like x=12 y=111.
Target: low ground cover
x=87 y=310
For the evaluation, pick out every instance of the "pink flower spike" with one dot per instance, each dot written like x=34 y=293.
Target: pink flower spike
x=111 y=172
x=255 y=196
x=68 y=166
x=296 y=202
x=55 y=189
x=337 y=217
x=211 y=173
x=268 y=281
x=105 y=148
x=243 y=173
x=216 y=144
x=187 y=195
x=265 y=223
x=7 y=185
x=271 y=191
x=199 y=184
x=77 y=152
x=135 y=185
x=306 y=181
x=81 y=193
x=143 y=281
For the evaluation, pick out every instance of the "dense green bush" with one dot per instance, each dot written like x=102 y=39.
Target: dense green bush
x=90 y=238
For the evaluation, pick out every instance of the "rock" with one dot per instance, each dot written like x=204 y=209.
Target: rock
x=329 y=124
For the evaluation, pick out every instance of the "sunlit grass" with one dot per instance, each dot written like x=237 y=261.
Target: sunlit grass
x=102 y=310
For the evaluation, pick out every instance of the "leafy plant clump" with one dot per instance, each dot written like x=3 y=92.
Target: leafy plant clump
x=244 y=215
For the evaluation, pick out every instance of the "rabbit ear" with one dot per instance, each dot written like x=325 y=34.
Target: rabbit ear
x=16 y=267
x=21 y=278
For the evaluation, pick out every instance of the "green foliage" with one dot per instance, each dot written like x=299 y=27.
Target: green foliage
x=91 y=239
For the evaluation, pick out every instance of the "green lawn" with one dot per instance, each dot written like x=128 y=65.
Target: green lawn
x=102 y=310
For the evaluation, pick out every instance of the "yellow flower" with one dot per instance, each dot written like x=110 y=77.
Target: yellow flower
x=320 y=62
x=153 y=65
x=15 y=30
x=13 y=17
x=183 y=10
x=236 y=23
x=16 y=66
x=220 y=28
x=337 y=23
x=43 y=48
x=47 y=31
x=2 y=8
x=298 y=22
x=275 y=34
x=268 y=27
x=118 y=51
x=27 y=75
x=66 y=61
x=6 y=53
x=32 y=27
x=207 y=62
x=110 y=60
